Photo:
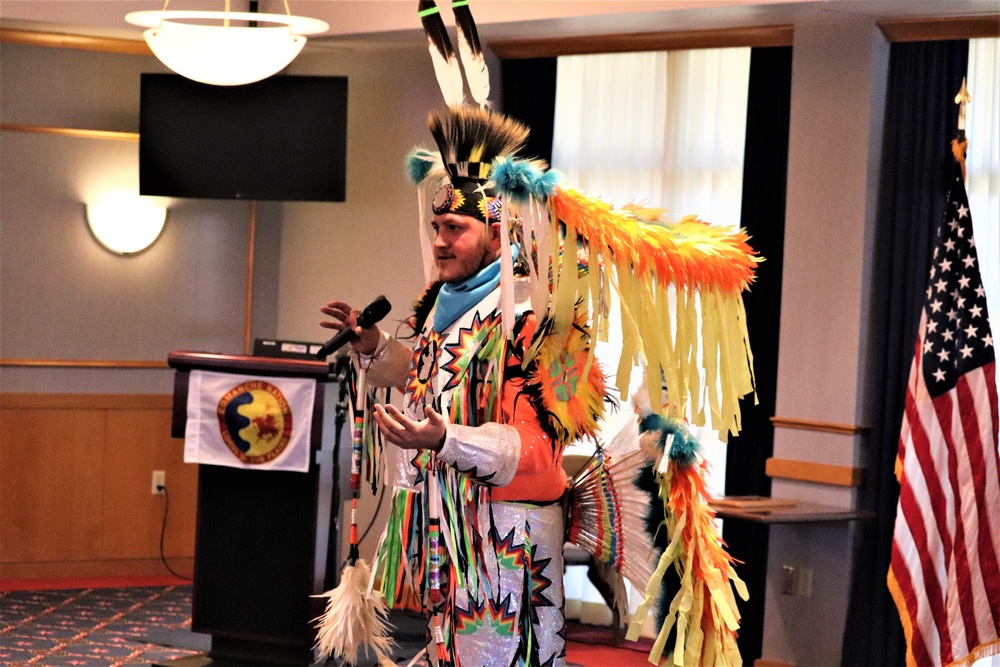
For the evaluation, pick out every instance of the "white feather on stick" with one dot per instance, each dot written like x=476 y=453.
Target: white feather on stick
x=506 y=273
x=426 y=245
x=355 y=616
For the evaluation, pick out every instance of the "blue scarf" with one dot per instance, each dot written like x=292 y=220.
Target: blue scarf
x=455 y=299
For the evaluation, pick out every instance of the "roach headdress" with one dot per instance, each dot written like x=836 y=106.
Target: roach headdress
x=470 y=139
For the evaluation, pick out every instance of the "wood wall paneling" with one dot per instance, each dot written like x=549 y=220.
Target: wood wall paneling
x=779 y=35
x=87 y=401
x=138 y=443
x=75 y=486
x=51 y=484
x=819 y=473
x=70 y=132
x=942 y=27
x=133 y=47
x=814 y=425
x=80 y=569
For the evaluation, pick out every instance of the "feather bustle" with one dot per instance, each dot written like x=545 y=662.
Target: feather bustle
x=608 y=519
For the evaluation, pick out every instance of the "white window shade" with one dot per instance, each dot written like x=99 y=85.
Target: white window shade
x=667 y=129
x=983 y=165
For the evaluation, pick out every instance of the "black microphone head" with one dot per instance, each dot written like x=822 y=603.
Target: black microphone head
x=374 y=312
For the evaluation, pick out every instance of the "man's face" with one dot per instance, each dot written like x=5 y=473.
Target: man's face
x=462 y=246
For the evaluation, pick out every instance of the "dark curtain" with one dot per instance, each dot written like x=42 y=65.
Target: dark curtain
x=920 y=121
x=529 y=95
x=765 y=166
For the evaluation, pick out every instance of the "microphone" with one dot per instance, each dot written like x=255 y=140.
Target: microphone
x=369 y=317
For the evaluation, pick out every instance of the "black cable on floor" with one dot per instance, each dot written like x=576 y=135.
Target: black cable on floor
x=163 y=532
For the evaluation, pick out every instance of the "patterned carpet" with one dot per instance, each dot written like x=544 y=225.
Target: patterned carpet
x=107 y=627
x=93 y=626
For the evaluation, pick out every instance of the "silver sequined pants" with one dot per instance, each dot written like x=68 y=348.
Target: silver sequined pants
x=524 y=559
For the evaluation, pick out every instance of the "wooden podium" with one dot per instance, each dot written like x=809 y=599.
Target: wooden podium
x=264 y=540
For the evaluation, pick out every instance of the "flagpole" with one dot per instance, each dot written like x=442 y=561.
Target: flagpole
x=958 y=146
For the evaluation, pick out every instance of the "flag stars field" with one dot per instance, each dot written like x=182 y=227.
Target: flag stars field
x=959 y=298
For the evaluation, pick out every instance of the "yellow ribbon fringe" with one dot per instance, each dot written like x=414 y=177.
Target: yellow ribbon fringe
x=678 y=283
x=704 y=610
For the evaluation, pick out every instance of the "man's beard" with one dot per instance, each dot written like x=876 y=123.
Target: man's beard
x=474 y=262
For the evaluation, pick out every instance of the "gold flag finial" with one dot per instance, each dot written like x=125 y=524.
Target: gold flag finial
x=958 y=146
x=961 y=100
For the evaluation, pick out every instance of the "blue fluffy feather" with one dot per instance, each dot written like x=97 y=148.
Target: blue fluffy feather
x=521 y=180
x=419 y=163
x=546 y=185
x=683 y=449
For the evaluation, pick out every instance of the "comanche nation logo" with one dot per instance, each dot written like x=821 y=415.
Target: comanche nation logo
x=255 y=421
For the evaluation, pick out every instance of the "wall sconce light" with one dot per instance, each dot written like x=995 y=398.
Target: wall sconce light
x=209 y=47
x=126 y=224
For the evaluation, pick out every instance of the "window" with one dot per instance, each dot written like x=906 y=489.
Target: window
x=983 y=165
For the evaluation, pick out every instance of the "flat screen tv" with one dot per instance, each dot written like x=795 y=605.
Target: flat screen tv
x=283 y=138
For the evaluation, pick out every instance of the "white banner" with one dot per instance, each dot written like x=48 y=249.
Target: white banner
x=247 y=421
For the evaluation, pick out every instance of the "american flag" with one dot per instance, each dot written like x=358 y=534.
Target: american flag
x=944 y=573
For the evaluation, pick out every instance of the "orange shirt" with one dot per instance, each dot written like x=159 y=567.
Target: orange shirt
x=540 y=476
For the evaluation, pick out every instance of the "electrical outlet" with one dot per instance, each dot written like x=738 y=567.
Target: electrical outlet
x=797 y=581
x=159 y=479
x=804 y=582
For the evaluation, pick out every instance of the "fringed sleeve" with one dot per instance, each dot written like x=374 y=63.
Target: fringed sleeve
x=388 y=365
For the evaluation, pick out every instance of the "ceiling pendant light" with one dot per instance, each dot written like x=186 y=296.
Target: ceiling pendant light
x=207 y=47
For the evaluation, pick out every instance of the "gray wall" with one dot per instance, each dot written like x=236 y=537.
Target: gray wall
x=66 y=297
x=839 y=75
x=367 y=245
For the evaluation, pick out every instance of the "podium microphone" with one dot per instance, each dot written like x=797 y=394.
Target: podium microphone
x=369 y=317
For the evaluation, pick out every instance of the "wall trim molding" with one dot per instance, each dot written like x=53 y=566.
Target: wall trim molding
x=24 y=401
x=819 y=473
x=83 y=363
x=55 y=40
x=515 y=49
x=938 y=28
x=70 y=131
x=117 y=568
x=814 y=425
x=895 y=30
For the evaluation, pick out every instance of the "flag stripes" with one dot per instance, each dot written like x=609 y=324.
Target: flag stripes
x=945 y=574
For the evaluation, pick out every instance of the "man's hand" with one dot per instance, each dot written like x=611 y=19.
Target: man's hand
x=403 y=432
x=345 y=316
